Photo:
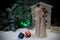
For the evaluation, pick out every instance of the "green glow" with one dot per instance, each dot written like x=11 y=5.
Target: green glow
x=25 y=23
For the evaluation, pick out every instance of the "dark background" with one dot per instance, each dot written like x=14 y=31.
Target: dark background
x=55 y=11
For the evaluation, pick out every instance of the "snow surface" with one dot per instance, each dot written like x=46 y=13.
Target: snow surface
x=14 y=35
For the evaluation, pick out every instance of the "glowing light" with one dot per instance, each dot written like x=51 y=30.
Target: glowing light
x=25 y=23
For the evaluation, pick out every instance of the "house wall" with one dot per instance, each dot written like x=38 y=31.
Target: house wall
x=48 y=18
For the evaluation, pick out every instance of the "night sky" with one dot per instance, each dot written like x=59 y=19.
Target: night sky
x=6 y=3
x=55 y=12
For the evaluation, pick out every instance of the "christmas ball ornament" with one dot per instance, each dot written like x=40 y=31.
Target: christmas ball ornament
x=21 y=35
x=28 y=34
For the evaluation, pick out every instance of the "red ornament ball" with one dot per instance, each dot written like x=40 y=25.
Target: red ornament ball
x=28 y=34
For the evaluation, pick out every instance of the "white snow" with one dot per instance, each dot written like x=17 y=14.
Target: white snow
x=14 y=35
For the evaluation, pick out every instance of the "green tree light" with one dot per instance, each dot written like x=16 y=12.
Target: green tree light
x=26 y=23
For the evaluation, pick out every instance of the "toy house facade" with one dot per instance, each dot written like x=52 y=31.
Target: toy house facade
x=48 y=17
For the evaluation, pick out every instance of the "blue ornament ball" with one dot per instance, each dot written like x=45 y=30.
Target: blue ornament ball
x=21 y=35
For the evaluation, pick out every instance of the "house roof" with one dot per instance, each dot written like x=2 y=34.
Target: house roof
x=42 y=3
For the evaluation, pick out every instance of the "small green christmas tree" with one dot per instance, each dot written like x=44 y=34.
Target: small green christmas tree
x=22 y=11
